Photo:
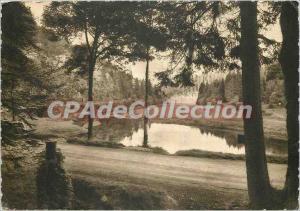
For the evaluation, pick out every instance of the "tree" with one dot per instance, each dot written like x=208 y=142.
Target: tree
x=195 y=39
x=102 y=25
x=18 y=75
x=18 y=32
x=289 y=60
x=259 y=189
x=147 y=37
x=25 y=82
x=209 y=32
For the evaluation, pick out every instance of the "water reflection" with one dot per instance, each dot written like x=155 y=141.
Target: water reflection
x=173 y=138
x=116 y=130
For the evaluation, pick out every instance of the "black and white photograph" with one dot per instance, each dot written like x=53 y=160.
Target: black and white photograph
x=149 y=105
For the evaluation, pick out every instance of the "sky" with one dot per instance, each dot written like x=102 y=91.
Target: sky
x=157 y=65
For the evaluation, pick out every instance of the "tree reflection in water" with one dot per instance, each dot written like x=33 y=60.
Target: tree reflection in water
x=116 y=130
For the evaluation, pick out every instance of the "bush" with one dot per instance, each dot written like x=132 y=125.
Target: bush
x=274 y=72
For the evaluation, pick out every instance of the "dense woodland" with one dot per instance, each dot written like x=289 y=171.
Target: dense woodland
x=229 y=89
x=43 y=62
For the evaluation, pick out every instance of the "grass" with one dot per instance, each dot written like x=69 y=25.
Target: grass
x=157 y=150
x=83 y=141
x=220 y=155
x=115 y=196
x=90 y=193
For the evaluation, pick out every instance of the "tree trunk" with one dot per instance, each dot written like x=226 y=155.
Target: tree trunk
x=222 y=91
x=289 y=60
x=145 y=142
x=51 y=150
x=259 y=189
x=90 y=95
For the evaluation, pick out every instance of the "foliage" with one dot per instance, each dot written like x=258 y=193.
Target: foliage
x=204 y=33
x=195 y=40
x=271 y=88
x=147 y=34
x=102 y=25
x=18 y=69
x=54 y=188
x=274 y=72
x=27 y=63
x=115 y=83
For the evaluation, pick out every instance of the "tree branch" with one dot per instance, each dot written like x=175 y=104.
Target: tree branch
x=86 y=38
x=203 y=13
x=103 y=50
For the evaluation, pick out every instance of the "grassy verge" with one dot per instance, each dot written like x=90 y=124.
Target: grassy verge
x=108 y=144
x=83 y=141
x=220 y=155
x=114 y=196
x=159 y=150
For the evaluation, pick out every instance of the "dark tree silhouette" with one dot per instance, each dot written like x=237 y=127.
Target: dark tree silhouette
x=148 y=36
x=259 y=189
x=195 y=39
x=103 y=26
x=18 y=32
x=289 y=60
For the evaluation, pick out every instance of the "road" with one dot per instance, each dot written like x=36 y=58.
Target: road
x=98 y=161
x=193 y=183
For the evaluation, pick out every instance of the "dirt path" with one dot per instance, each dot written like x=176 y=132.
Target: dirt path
x=191 y=183
x=200 y=179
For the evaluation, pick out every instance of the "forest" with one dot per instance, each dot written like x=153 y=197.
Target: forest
x=192 y=52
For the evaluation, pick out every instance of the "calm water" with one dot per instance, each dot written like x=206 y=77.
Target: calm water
x=173 y=138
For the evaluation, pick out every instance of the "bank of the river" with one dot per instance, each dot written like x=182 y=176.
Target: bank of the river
x=74 y=134
x=189 y=153
x=274 y=121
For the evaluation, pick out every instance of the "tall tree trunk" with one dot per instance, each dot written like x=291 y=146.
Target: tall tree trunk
x=289 y=60
x=90 y=95
x=222 y=91
x=259 y=189
x=145 y=142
